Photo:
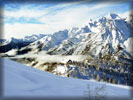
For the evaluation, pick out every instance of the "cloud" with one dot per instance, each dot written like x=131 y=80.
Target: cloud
x=73 y=17
x=54 y=17
x=125 y=14
x=35 y=10
x=24 y=13
x=19 y=30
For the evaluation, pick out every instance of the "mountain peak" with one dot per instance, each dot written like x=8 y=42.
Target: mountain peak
x=112 y=16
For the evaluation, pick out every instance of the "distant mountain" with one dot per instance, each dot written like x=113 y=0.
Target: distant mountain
x=48 y=42
x=2 y=41
x=15 y=43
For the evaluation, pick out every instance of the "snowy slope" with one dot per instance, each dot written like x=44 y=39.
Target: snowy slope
x=20 y=80
x=67 y=46
x=50 y=40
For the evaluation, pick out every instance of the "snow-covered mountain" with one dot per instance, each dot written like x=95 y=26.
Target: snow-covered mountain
x=61 y=40
x=107 y=35
x=14 y=43
x=23 y=81
x=75 y=36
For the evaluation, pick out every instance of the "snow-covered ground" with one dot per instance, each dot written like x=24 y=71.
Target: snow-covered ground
x=23 y=81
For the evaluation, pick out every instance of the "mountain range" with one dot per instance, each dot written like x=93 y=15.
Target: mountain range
x=109 y=35
x=14 y=43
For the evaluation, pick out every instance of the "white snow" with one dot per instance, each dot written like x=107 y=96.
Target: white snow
x=31 y=38
x=111 y=30
x=129 y=44
x=12 y=52
x=61 y=69
x=23 y=81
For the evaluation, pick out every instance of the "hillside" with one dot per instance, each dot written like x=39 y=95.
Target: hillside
x=23 y=81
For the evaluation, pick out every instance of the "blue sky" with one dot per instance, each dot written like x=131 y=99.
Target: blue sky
x=22 y=19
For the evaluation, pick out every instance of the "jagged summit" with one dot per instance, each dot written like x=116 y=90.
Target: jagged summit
x=113 y=16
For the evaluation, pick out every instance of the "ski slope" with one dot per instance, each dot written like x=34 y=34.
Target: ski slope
x=23 y=81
